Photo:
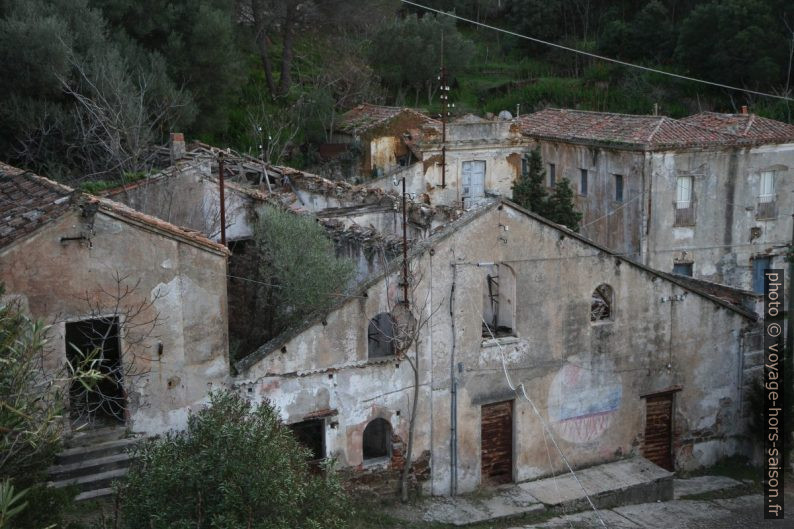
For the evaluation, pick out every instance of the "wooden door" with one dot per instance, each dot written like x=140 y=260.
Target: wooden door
x=473 y=182
x=658 y=447
x=497 y=442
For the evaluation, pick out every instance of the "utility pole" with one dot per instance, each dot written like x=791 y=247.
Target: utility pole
x=405 y=250
x=222 y=198
x=444 y=112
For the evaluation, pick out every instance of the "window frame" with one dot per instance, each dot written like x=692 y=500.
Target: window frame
x=552 y=175
x=584 y=177
x=689 y=266
x=620 y=192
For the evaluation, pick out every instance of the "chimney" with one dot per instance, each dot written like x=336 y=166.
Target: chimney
x=744 y=110
x=177 y=147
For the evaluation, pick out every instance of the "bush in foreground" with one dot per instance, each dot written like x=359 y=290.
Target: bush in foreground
x=236 y=466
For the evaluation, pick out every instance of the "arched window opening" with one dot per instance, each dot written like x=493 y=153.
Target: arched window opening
x=377 y=439
x=601 y=307
x=380 y=336
x=498 y=301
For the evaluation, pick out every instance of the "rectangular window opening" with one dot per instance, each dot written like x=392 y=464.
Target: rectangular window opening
x=583 y=182
x=618 y=188
x=683 y=269
x=552 y=175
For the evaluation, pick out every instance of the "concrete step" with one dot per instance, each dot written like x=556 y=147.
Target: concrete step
x=92 y=436
x=630 y=481
x=693 y=487
x=91 y=482
x=95 y=494
x=626 y=482
x=89 y=466
x=107 y=448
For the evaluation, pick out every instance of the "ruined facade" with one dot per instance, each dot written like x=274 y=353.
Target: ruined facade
x=706 y=196
x=596 y=340
x=377 y=139
x=154 y=293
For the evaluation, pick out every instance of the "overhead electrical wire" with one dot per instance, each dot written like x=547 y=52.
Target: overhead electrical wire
x=595 y=55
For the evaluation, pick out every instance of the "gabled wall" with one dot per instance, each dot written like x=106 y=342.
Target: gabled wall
x=186 y=283
x=587 y=380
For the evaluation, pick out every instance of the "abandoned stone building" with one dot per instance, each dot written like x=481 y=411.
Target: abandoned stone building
x=146 y=296
x=376 y=139
x=598 y=341
x=707 y=196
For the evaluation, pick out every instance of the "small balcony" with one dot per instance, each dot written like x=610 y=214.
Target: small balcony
x=684 y=213
x=766 y=209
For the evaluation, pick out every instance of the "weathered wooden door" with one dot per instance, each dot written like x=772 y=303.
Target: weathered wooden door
x=497 y=442
x=658 y=447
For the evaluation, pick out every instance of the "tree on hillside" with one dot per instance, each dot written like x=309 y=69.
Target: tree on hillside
x=77 y=102
x=236 y=465
x=741 y=42
x=529 y=189
x=406 y=53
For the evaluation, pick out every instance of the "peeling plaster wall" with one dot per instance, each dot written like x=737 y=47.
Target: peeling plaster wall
x=586 y=380
x=190 y=286
x=726 y=235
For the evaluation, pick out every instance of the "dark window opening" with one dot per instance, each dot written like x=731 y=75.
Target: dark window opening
x=552 y=175
x=618 y=188
x=524 y=166
x=759 y=265
x=95 y=344
x=601 y=304
x=380 y=336
x=683 y=269
x=377 y=439
x=311 y=435
x=583 y=182
x=498 y=295
x=240 y=246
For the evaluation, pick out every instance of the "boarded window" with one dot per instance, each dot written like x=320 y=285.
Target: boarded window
x=759 y=265
x=583 y=182
x=311 y=434
x=552 y=175
x=601 y=308
x=683 y=269
x=496 y=439
x=377 y=439
x=95 y=343
x=380 y=336
x=498 y=301
x=618 y=188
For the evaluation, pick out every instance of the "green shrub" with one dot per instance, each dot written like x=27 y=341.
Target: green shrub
x=235 y=466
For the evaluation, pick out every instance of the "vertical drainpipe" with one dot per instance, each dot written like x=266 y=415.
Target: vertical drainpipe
x=453 y=428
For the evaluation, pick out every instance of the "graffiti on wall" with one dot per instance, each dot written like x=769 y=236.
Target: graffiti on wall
x=583 y=399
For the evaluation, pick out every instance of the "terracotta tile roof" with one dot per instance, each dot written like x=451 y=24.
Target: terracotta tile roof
x=748 y=126
x=27 y=202
x=645 y=132
x=366 y=116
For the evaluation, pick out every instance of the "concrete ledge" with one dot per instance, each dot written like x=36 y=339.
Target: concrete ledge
x=626 y=482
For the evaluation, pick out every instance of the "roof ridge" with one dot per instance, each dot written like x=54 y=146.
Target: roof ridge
x=750 y=122
x=656 y=129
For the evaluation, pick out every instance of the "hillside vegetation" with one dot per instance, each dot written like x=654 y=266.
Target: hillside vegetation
x=91 y=85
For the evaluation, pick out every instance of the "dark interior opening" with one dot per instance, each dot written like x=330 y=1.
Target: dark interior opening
x=95 y=344
x=377 y=439
x=311 y=434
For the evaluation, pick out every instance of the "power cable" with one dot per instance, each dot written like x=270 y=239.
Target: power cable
x=596 y=56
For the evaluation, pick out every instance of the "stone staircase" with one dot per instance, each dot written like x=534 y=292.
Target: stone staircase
x=92 y=460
